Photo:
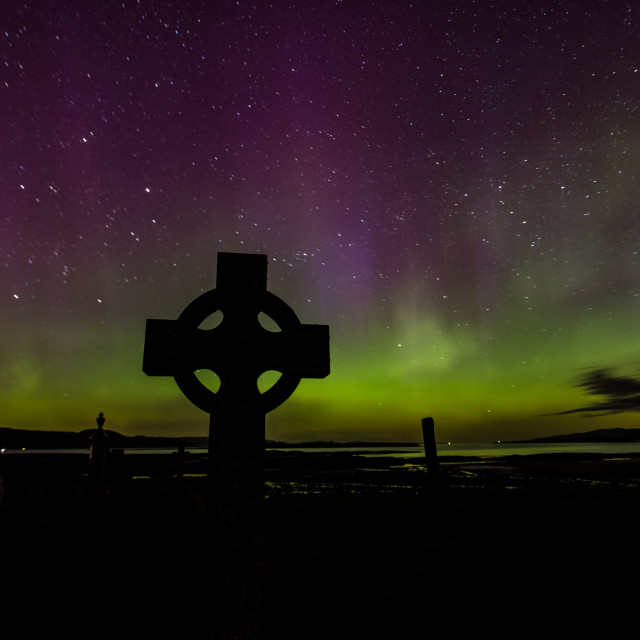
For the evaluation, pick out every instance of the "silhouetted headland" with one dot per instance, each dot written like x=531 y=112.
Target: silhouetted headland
x=598 y=435
x=331 y=444
x=38 y=439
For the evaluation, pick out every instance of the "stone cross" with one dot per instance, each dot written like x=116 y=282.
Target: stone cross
x=238 y=351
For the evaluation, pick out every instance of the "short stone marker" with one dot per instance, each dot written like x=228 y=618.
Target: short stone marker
x=430 y=448
x=238 y=351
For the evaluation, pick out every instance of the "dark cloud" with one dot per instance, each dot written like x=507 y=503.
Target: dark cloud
x=620 y=393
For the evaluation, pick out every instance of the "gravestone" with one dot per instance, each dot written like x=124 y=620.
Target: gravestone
x=98 y=455
x=430 y=448
x=238 y=351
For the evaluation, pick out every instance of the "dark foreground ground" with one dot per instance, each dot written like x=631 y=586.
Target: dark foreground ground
x=513 y=546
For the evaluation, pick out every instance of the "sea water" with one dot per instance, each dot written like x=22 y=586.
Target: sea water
x=484 y=450
x=481 y=450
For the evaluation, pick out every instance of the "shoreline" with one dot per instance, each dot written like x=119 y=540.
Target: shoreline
x=353 y=543
x=337 y=471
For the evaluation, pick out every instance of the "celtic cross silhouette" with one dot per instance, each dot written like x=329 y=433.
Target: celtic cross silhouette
x=238 y=350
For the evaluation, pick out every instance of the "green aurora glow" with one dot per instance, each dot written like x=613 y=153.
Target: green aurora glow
x=451 y=187
x=384 y=380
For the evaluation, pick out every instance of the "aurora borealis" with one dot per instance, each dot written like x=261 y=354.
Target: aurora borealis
x=451 y=186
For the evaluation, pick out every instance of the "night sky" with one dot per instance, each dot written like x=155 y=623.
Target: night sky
x=451 y=186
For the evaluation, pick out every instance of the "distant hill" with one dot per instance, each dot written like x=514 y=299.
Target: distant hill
x=31 y=439
x=329 y=444
x=27 y=439
x=599 y=435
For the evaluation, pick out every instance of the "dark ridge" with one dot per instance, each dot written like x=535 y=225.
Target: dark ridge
x=599 y=435
x=33 y=439
x=27 y=439
x=327 y=444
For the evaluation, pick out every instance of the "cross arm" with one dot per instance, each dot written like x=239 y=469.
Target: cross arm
x=168 y=348
x=302 y=351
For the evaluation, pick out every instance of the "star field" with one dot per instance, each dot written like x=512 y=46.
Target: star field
x=451 y=186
